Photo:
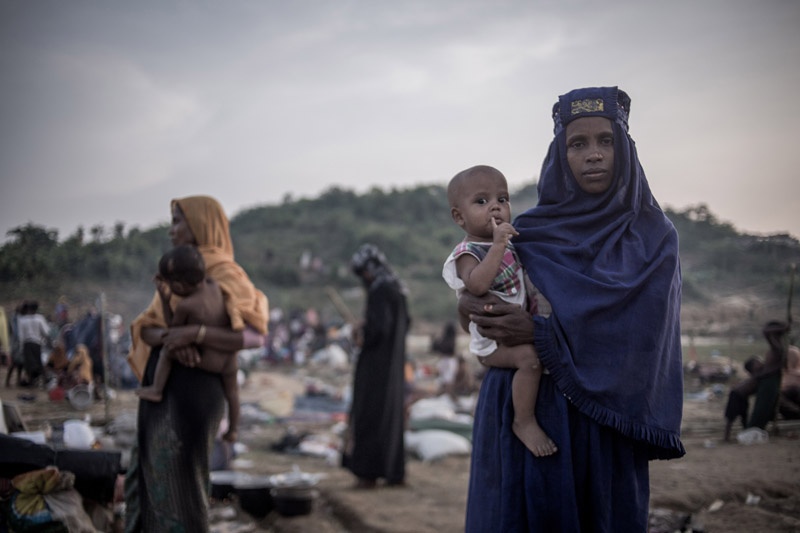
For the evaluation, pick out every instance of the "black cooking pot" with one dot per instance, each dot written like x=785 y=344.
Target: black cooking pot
x=293 y=501
x=222 y=482
x=254 y=496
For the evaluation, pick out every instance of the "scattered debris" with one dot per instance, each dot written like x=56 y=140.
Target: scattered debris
x=715 y=506
x=752 y=499
x=752 y=436
x=669 y=521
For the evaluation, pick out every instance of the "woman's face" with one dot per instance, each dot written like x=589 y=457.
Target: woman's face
x=590 y=153
x=179 y=231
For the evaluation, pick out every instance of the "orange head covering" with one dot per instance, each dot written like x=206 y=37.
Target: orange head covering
x=246 y=304
x=58 y=357
x=81 y=363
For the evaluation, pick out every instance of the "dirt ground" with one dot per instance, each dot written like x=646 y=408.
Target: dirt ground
x=716 y=487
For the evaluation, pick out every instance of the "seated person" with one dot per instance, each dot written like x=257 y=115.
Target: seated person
x=464 y=382
x=80 y=368
x=764 y=383
x=57 y=362
x=446 y=343
x=446 y=369
x=789 y=406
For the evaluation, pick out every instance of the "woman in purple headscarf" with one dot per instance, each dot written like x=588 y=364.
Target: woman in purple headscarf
x=605 y=257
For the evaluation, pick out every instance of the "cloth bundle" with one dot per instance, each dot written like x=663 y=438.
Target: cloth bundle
x=45 y=501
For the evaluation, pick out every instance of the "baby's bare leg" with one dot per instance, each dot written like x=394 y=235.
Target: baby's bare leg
x=230 y=387
x=155 y=392
x=225 y=364
x=524 y=390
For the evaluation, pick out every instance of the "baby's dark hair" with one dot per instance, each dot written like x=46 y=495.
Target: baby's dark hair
x=183 y=263
x=456 y=183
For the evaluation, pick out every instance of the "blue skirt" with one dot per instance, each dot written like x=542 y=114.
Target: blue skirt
x=597 y=481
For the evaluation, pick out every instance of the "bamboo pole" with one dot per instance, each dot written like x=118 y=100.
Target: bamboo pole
x=104 y=355
x=340 y=306
x=792 y=272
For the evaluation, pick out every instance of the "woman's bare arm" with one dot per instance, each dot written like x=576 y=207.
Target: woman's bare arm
x=182 y=341
x=152 y=336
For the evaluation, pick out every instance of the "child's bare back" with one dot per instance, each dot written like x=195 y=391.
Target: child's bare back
x=182 y=272
x=205 y=306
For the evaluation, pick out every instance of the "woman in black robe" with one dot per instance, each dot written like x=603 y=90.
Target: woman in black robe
x=374 y=446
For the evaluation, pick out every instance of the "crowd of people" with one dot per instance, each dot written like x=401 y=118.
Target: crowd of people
x=597 y=247
x=573 y=308
x=54 y=351
x=297 y=335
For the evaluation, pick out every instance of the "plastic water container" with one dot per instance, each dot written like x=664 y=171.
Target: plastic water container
x=78 y=434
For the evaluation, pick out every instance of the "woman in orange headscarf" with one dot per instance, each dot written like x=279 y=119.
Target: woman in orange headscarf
x=167 y=482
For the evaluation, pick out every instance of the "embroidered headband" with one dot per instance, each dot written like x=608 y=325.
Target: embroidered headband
x=609 y=102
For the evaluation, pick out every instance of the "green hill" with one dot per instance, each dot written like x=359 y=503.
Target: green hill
x=296 y=251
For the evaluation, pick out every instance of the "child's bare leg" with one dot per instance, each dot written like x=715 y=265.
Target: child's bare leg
x=155 y=392
x=524 y=390
x=230 y=386
x=226 y=365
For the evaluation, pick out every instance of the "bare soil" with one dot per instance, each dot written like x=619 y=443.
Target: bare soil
x=716 y=487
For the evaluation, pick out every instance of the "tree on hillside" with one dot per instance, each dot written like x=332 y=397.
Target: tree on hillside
x=413 y=227
x=29 y=254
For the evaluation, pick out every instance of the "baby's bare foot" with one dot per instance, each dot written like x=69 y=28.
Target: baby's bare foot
x=534 y=438
x=149 y=394
x=231 y=435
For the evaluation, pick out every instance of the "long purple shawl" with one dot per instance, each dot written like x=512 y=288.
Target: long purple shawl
x=609 y=266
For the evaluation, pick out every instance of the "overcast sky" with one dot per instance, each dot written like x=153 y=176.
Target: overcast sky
x=110 y=109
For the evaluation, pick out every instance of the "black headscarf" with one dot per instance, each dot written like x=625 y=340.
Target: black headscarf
x=371 y=265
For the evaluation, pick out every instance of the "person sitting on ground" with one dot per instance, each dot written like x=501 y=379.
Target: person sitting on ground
x=764 y=383
x=446 y=367
x=57 y=361
x=789 y=406
x=464 y=382
x=446 y=344
x=182 y=272
x=484 y=262
x=738 y=397
x=80 y=369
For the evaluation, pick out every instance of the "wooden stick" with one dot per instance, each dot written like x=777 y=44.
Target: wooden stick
x=791 y=292
x=340 y=306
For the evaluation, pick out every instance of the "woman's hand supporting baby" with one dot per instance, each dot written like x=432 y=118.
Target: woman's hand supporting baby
x=505 y=323
x=179 y=341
